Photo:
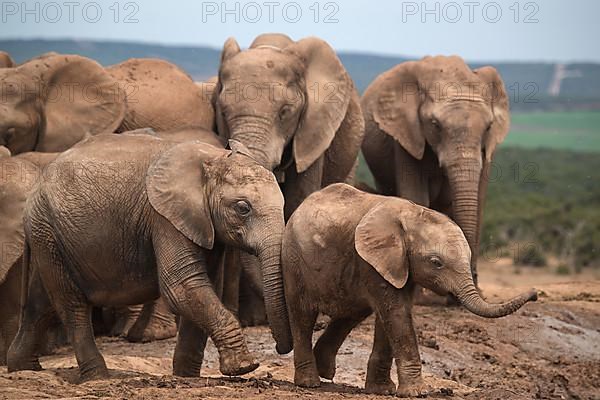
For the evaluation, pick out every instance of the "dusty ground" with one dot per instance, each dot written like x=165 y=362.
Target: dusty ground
x=547 y=350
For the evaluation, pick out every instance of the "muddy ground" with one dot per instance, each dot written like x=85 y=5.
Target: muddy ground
x=547 y=350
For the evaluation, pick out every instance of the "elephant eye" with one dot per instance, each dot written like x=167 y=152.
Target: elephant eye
x=242 y=207
x=285 y=111
x=436 y=262
x=435 y=122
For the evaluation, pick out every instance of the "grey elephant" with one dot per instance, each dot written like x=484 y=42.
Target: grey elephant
x=432 y=127
x=173 y=208
x=18 y=177
x=53 y=101
x=347 y=253
x=294 y=106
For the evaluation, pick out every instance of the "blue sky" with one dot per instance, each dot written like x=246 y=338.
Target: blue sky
x=542 y=30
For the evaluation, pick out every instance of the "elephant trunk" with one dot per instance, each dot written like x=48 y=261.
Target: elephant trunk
x=270 y=259
x=255 y=133
x=472 y=300
x=464 y=185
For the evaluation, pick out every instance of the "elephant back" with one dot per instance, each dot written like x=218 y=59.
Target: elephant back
x=160 y=96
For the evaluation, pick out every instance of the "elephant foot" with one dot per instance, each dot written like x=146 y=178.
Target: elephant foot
x=414 y=388
x=156 y=330
x=381 y=387
x=15 y=365
x=187 y=366
x=236 y=362
x=307 y=379
x=325 y=362
x=92 y=371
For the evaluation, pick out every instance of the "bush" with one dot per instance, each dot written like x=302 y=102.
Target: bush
x=563 y=269
x=530 y=255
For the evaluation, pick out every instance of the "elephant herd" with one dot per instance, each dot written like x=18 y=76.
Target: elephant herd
x=134 y=185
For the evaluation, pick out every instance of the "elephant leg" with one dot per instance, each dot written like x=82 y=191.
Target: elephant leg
x=302 y=321
x=155 y=322
x=189 y=351
x=298 y=186
x=36 y=316
x=393 y=308
x=77 y=317
x=186 y=286
x=75 y=313
x=10 y=299
x=305 y=366
x=124 y=318
x=380 y=363
x=331 y=340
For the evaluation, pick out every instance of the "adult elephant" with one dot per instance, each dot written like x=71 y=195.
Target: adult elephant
x=431 y=130
x=294 y=106
x=54 y=101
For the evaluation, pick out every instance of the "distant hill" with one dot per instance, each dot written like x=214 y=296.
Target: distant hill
x=532 y=86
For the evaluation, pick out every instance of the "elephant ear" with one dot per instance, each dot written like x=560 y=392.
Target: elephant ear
x=15 y=185
x=328 y=92
x=80 y=98
x=4 y=152
x=175 y=184
x=379 y=240
x=5 y=60
x=394 y=101
x=500 y=108
x=230 y=49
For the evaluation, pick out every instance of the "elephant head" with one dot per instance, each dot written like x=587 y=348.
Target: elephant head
x=52 y=102
x=5 y=60
x=279 y=93
x=461 y=114
x=211 y=194
x=402 y=240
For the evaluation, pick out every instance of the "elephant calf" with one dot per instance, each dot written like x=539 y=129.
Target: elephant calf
x=347 y=253
x=127 y=218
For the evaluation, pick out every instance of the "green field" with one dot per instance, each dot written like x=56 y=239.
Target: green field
x=579 y=131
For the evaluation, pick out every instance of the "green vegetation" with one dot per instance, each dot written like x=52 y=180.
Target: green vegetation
x=544 y=191
x=530 y=255
x=545 y=199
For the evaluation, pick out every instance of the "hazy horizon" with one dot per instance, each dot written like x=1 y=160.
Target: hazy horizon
x=549 y=31
x=345 y=51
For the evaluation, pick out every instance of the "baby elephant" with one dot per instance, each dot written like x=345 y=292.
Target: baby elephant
x=127 y=218
x=347 y=253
